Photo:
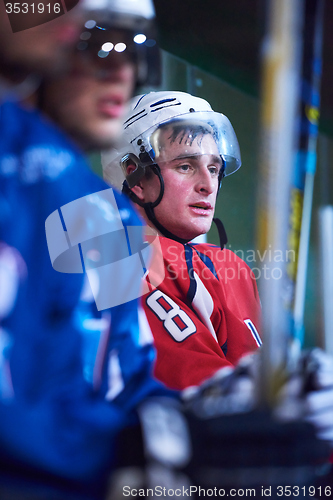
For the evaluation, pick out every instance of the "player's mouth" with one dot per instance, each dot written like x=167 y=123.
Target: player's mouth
x=112 y=106
x=202 y=208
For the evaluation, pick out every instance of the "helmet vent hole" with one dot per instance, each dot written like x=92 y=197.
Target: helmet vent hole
x=192 y=110
x=163 y=101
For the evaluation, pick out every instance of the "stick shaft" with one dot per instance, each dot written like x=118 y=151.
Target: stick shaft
x=280 y=88
x=305 y=165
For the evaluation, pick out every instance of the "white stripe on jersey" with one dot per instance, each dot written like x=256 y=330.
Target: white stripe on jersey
x=203 y=304
x=115 y=379
x=254 y=331
x=145 y=333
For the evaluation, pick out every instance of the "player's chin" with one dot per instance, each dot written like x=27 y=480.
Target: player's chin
x=204 y=223
x=199 y=227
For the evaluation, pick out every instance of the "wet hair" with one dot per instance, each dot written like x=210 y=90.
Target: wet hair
x=182 y=131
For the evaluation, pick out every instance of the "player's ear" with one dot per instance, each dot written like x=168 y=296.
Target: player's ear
x=139 y=189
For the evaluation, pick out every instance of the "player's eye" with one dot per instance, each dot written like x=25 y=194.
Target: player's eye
x=214 y=170
x=184 y=167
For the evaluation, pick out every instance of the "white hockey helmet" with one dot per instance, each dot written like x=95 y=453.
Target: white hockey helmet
x=137 y=18
x=140 y=139
x=130 y=14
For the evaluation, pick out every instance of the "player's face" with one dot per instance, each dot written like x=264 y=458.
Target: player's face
x=90 y=102
x=191 y=184
x=42 y=49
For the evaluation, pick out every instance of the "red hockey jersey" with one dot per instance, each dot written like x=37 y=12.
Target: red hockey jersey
x=204 y=315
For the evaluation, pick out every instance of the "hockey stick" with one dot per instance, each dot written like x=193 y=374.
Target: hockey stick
x=305 y=167
x=280 y=87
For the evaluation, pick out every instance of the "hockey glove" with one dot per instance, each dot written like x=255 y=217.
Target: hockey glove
x=308 y=394
x=230 y=390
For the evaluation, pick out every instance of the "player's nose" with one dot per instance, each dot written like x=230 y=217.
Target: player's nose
x=205 y=181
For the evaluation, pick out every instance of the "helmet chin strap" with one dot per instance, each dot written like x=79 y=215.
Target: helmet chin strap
x=149 y=206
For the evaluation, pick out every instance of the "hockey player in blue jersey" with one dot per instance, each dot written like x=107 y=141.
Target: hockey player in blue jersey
x=88 y=102
x=50 y=418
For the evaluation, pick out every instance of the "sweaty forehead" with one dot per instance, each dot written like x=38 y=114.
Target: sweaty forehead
x=174 y=142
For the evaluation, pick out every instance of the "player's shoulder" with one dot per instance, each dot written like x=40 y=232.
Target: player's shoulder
x=14 y=119
x=35 y=151
x=29 y=122
x=211 y=250
x=220 y=257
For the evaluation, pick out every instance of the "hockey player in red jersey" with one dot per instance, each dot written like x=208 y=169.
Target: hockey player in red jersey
x=202 y=302
x=205 y=314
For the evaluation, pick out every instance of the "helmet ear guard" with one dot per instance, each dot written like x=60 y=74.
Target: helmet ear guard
x=148 y=206
x=134 y=177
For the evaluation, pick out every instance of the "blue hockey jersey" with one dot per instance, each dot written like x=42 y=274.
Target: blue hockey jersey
x=70 y=374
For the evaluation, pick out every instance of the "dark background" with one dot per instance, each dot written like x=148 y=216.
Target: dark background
x=223 y=37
